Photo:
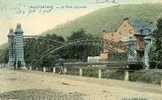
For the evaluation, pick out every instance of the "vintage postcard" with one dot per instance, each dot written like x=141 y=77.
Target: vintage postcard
x=80 y=49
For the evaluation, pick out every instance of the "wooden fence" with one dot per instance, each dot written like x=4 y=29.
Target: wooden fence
x=3 y=65
x=99 y=72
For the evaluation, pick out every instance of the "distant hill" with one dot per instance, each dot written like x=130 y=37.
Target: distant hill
x=109 y=18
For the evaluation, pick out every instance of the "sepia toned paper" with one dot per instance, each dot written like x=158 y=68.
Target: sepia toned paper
x=80 y=50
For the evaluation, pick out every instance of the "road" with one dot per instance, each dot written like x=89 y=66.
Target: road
x=90 y=88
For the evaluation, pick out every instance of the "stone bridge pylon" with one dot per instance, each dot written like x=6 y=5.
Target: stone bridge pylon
x=16 y=48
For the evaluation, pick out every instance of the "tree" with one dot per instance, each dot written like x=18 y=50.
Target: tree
x=81 y=50
x=37 y=48
x=78 y=35
x=4 y=55
x=156 y=55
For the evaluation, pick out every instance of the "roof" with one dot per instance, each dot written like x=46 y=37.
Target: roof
x=140 y=27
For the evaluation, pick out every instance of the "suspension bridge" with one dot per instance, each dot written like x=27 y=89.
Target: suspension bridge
x=17 y=41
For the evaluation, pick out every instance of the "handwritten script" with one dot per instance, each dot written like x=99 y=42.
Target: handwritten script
x=44 y=9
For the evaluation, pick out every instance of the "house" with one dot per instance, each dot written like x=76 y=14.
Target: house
x=130 y=27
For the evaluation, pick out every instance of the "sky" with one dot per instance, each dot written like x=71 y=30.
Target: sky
x=37 y=16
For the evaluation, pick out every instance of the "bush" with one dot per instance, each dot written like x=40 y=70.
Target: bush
x=73 y=71
x=113 y=74
x=91 y=72
x=147 y=76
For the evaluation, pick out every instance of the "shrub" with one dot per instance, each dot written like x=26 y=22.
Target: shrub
x=148 y=76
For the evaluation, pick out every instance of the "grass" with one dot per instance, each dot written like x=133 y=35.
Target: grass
x=109 y=19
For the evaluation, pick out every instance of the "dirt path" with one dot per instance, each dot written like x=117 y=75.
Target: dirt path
x=89 y=88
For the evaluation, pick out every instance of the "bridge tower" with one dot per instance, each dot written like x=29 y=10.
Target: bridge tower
x=19 y=47
x=11 y=43
x=148 y=45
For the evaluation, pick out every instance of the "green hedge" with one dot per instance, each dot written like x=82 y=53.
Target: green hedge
x=147 y=76
x=113 y=74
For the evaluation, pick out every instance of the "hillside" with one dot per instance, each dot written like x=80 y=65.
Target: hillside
x=109 y=18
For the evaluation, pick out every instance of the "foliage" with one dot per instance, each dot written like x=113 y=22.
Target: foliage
x=78 y=35
x=72 y=71
x=90 y=72
x=156 y=57
x=113 y=74
x=39 y=51
x=109 y=18
x=148 y=76
x=81 y=50
x=35 y=49
x=4 y=55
